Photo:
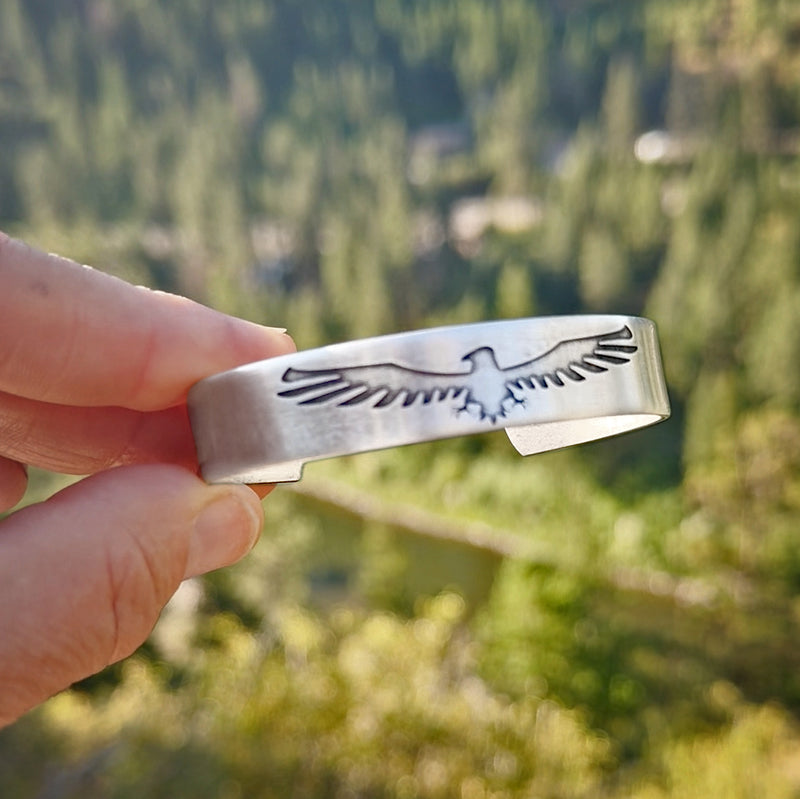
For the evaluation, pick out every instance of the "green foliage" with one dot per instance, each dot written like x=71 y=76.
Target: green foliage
x=757 y=754
x=309 y=165
x=360 y=706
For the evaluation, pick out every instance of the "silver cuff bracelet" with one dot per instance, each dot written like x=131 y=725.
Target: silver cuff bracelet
x=550 y=382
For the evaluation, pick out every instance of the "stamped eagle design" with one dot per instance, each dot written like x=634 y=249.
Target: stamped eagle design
x=484 y=388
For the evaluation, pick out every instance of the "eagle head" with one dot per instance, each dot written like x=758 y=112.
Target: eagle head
x=482 y=358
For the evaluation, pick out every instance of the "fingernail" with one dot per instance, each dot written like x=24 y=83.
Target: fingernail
x=224 y=531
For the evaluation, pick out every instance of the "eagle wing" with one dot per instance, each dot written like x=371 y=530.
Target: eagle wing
x=381 y=384
x=573 y=359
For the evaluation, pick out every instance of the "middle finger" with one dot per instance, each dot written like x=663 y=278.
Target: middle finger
x=76 y=440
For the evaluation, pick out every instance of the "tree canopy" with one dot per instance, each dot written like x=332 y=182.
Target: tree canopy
x=354 y=168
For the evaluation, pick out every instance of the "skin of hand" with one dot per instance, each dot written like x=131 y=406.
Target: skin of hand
x=93 y=380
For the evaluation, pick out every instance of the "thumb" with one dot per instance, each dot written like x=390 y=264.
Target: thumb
x=84 y=576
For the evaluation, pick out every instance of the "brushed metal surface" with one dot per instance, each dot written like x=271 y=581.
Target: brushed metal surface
x=549 y=381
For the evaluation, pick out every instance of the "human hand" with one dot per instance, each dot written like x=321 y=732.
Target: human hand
x=93 y=379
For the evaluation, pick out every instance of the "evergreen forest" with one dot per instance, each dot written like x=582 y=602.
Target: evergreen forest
x=448 y=620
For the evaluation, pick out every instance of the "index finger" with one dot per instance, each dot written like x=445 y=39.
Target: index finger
x=73 y=335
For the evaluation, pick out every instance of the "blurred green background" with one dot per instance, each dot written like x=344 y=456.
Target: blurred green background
x=449 y=620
